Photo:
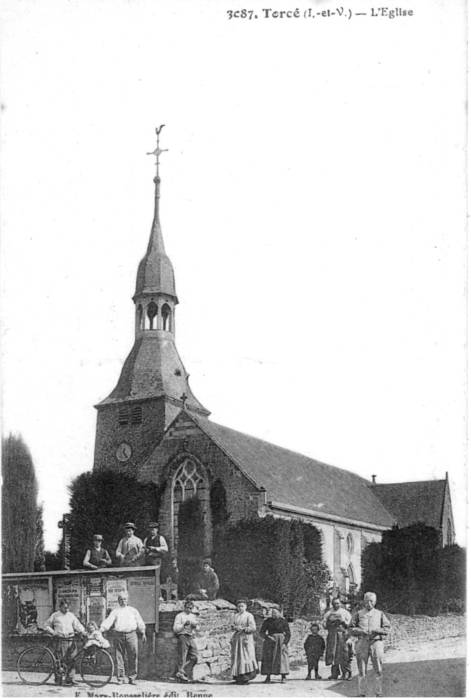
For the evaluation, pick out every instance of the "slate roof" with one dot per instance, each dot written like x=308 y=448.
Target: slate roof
x=152 y=369
x=413 y=501
x=299 y=481
x=155 y=272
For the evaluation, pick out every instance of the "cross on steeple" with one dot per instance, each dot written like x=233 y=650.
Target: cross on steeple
x=184 y=399
x=158 y=150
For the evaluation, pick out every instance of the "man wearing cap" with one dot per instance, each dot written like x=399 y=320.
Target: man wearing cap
x=130 y=547
x=126 y=622
x=155 y=546
x=97 y=557
x=370 y=626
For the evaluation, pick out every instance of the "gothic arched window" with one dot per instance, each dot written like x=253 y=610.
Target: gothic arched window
x=350 y=544
x=189 y=482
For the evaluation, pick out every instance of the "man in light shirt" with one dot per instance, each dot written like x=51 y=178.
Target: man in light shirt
x=370 y=626
x=63 y=625
x=185 y=628
x=129 y=551
x=126 y=622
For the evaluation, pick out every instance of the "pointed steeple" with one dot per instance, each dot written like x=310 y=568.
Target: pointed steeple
x=153 y=386
x=155 y=272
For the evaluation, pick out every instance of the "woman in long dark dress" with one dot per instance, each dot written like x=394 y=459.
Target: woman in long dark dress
x=276 y=635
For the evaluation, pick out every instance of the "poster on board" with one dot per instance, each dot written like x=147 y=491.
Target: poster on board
x=142 y=593
x=70 y=590
x=114 y=587
x=34 y=605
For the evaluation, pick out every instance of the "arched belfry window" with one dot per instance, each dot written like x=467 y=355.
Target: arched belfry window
x=166 y=317
x=151 y=314
x=140 y=318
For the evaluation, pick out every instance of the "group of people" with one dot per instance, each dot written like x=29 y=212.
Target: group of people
x=369 y=626
x=126 y=622
x=131 y=550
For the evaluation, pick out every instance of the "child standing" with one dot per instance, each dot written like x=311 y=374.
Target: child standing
x=314 y=646
x=347 y=651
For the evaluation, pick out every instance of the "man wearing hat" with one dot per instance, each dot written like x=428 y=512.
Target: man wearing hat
x=155 y=546
x=97 y=557
x=130 y=547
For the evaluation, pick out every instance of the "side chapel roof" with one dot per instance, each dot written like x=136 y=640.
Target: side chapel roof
x=294 y=479
x=414 y=501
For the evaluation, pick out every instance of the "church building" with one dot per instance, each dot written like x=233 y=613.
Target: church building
x=153 y=426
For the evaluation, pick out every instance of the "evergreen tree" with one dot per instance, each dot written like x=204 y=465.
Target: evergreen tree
x=412 y=573
x=19 y=507
x=39 y=554
x=274 y=559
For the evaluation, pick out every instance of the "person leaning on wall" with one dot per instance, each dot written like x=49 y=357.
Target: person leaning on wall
x=97 y=557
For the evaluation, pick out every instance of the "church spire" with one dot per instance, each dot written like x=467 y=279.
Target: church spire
x=154 y=385
x=156 y=239
x=155 y=274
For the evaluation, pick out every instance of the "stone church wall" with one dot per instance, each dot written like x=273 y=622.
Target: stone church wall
x=142 y=437
x=186 y=440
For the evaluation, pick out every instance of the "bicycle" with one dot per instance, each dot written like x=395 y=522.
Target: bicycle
x=37 y=664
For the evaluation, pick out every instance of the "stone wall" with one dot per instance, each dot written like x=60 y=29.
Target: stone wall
x=405 y=631
x=158 y=658
x=213 y=638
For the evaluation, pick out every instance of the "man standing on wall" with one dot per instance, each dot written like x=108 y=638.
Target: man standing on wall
x=155 y=546
x=63 y=625
x=370 y=626
x=126 y=622
x=129 y=548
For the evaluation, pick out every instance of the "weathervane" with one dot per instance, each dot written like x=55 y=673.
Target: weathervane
x=158 y=150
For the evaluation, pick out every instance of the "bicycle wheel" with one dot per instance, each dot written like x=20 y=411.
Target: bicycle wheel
x=35 y=665
x=97 y=668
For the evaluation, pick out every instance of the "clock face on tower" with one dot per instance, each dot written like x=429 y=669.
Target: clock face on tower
x=124 y=452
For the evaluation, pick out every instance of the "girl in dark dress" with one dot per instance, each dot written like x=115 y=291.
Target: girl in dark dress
x=276 y=635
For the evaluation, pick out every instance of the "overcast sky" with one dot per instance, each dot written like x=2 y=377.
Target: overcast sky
x=313 y=206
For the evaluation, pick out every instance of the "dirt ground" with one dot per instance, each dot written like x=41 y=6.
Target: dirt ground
x=434 y=669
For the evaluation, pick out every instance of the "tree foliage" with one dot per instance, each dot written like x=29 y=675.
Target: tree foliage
x=39 y=553
x=279 y=560
x=101 y=502
x=19 y=506
x=412 y=573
